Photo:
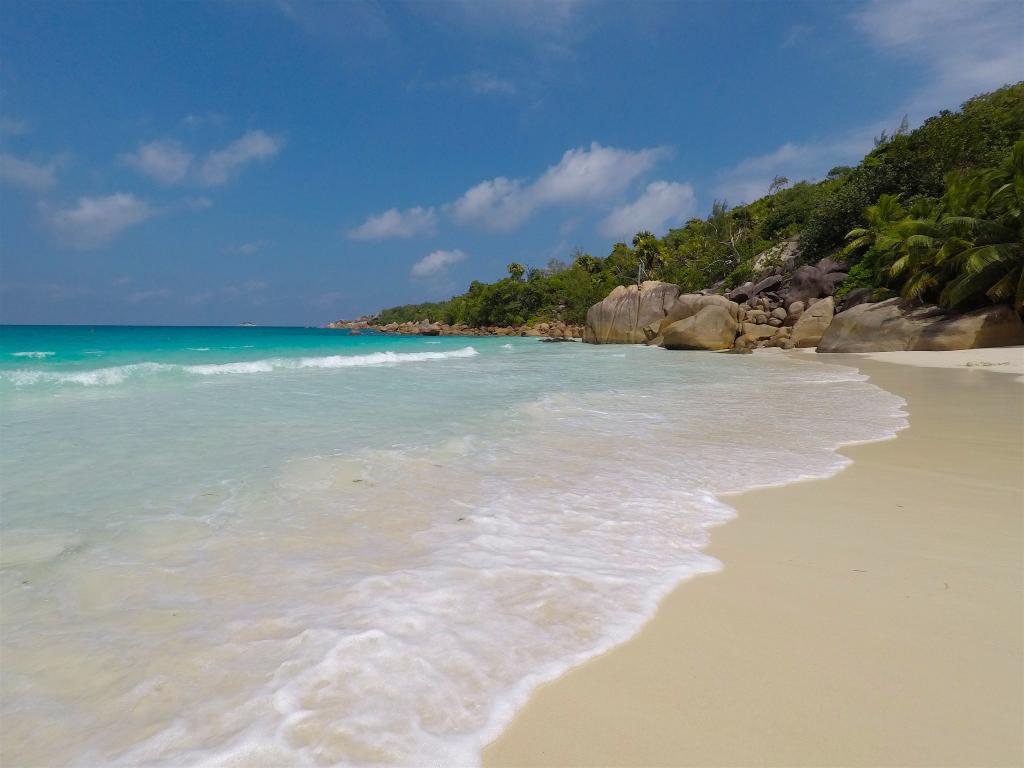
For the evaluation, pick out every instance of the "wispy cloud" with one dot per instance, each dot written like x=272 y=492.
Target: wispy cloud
x=168 y=161
x=26 y=174
x=584 y=174
x=485 y=82
x=221 y=166
x=246 y=249
x=95 y=221
x=749 y=179
x=360 y=32
x=434 y=263
x=10 y=126
x=965 y=48
x=394 y=223
x=193 y=120
x=961 y=48
x=662 y=204
x=552 y=26
x=796 y=34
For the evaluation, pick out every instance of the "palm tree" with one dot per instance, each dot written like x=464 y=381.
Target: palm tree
x=880 y=218
x=648 y=251
x=972 y=248
x=516 y=270
x=587 y=263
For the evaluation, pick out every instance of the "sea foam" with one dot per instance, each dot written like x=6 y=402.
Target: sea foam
x=371 y=584
x=119 y=374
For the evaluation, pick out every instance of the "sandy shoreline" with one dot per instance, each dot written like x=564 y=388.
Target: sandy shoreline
x=873 y=618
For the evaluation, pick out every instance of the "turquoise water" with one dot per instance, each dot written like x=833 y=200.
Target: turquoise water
x=251 y=546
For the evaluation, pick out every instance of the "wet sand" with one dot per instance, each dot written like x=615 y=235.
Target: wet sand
x=873 y=618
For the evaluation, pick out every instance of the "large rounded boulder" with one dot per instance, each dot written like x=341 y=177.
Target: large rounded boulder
x=896 y=325
x=689 y=304
x=712 y=327
x=813 y=322
x=630 y=314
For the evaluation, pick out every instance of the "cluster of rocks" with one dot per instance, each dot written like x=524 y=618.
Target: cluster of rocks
x=554 y=330
x=796 y=312
x=659 y=314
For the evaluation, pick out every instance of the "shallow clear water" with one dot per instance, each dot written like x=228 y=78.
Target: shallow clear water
x=249 y=546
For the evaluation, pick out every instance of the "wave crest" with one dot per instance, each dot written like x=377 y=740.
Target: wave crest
x=118 y=374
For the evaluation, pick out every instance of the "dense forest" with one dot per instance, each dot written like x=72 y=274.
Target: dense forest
x=933 y=214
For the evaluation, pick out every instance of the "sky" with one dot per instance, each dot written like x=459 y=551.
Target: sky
x=291 y=162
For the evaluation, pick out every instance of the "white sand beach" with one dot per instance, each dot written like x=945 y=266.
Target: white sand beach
x=872 y=618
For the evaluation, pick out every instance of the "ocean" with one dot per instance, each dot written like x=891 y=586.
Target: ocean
x=291 y=546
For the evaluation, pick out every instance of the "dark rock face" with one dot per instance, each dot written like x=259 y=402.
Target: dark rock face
x=751 y=289
x=813 y=282
x=768 y=284
x=897 y=325
x=741 y=293
x=854 y=298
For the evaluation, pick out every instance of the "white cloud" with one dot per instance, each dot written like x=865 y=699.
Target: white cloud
x=169 y=162
x=26 y=174
x=95 y=221
x=662 y=204
x=499 y=204
x=165 y=161
x=594 y=173
x=966 y=47
x=396 y=223
x=436 y=262
x=584 y=174
x=221 y=166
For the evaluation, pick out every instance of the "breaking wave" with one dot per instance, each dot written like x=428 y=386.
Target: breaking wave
x=120 y=373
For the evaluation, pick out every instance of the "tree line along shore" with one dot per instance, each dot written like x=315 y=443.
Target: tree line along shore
x=918 y=246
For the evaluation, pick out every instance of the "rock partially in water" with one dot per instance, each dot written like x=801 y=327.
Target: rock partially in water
x=630 y=314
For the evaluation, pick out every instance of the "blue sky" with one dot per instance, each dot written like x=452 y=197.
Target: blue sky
x=295 y=162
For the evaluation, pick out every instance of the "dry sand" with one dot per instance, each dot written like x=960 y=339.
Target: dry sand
x=873 y=618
